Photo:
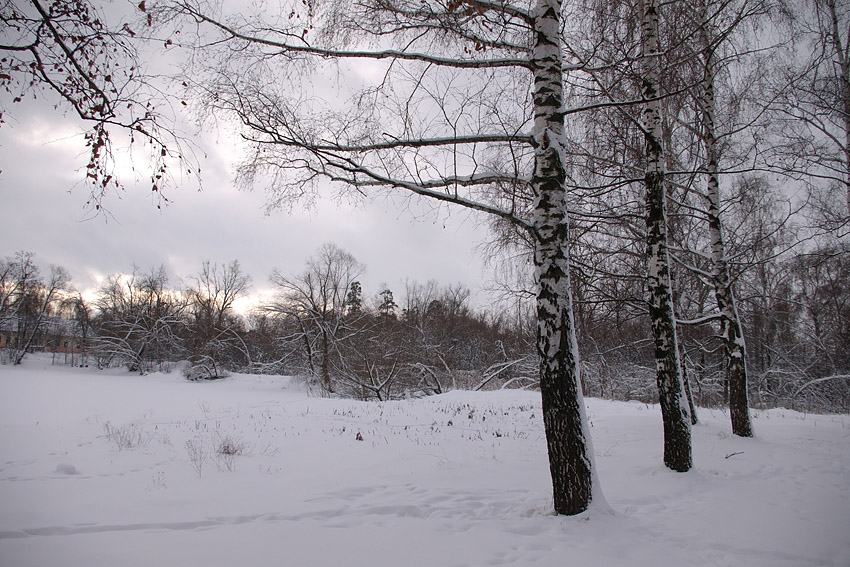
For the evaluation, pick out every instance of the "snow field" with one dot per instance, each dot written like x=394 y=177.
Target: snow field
x=110 y=468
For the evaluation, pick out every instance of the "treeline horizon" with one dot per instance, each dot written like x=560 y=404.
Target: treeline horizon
x=427 y=337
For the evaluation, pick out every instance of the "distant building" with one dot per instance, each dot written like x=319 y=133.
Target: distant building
x=55 y=335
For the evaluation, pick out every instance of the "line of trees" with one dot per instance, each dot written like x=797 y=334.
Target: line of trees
x=134 y=319
x=319 y=325
x=322 y=325
x=795 y=307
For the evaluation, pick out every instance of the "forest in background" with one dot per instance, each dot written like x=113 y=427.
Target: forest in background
x=427 y=338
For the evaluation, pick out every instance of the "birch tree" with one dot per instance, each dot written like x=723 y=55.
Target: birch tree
x=461 y=103
x=731 y=331
x=674 y=407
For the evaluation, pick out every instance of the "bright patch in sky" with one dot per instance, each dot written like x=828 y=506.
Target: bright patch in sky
x=44 y=212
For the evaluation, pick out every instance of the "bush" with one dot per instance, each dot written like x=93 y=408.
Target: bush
x=205 y=369
x=126 y=437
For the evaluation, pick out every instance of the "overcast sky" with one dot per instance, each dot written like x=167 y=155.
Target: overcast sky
x=43 y=211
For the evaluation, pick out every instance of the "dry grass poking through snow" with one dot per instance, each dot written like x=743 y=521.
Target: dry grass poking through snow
x=128 y=436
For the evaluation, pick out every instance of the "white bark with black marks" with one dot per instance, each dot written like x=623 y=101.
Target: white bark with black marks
x=674 y=408
x=731 y=332
x=567 y=435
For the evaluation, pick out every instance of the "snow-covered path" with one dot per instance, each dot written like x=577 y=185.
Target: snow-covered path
x=102 y=469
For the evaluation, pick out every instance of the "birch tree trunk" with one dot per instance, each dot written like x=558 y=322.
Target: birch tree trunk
x=567 y=436
x=674 y=408
x=686 y=379
x=731 y=332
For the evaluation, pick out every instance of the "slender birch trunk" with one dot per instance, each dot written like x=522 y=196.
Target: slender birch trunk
x=686 y=379
x=674 y=407
x=730 y=324
x=567 y=435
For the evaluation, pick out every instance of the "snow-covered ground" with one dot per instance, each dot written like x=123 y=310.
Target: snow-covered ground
x=108 y=469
